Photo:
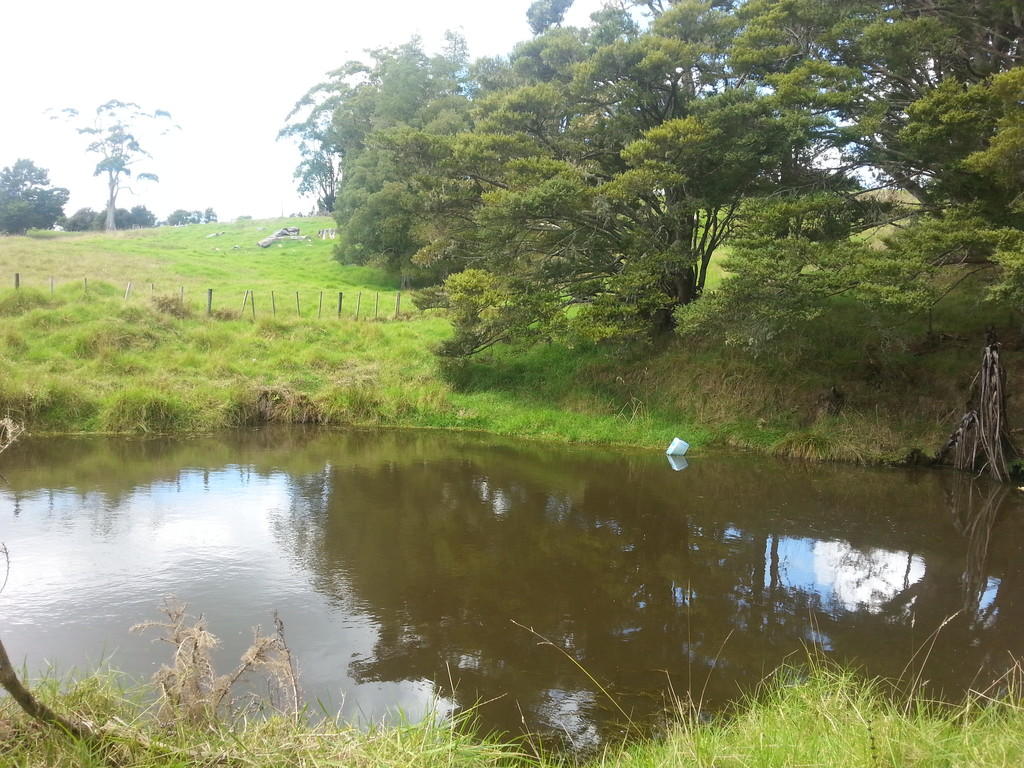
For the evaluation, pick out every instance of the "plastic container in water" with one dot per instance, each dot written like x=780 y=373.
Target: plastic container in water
x=678 y=463
x=678 y=447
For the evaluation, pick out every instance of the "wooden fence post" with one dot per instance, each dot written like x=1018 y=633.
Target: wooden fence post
x=252 y=304
x=320 y=309
x=341 y=295
x=273 y=304
x=398 y=302
x=209 y=301
x=51 y=285
x=359 y=301
x=17 y=280
x=127 y=290
x=245 y=298
x=376 y=304
x=298 y=312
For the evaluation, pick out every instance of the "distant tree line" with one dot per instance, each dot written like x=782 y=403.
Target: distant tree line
x=29 y=201
x=579 y=187
x=138 y=217
x=181 y=217
x=86 y=219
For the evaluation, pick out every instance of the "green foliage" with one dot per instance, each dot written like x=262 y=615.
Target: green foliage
x=181 y=217
x=113 y=136
x=346 y=130
x=595 y=173
x=83 y=220
x=790 y=260
x=27 y=201
x=486 y=310
x=139 y=217
x=544 y=14
x=1000 y=159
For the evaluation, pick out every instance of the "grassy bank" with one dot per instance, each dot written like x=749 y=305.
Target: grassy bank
x=821 y=718
x=111 y=333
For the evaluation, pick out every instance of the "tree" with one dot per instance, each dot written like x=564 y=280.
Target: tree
x=27 y=200
x=83 y=220
x=544 y=14
x=601 y=174
x=922 y=97
x=113 y=138
x=320 y=169
x=140 y=217
x=358 y=120
x=181 y=217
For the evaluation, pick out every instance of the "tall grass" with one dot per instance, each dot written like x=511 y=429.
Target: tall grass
x=826 y=716
x=103 y=358
x=816 y=716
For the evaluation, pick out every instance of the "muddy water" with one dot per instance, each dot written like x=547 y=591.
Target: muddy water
x=417 y=570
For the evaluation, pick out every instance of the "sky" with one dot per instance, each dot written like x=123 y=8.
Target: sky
x=228 y=72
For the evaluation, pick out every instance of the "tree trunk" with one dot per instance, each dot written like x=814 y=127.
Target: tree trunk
x=111 y=224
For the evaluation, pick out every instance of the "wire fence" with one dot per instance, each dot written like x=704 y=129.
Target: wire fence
x=350 y=306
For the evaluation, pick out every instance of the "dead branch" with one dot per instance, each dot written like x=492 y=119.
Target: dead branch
x=980 y=440
x=191 y=689
x=32 y=706
x=10 y=431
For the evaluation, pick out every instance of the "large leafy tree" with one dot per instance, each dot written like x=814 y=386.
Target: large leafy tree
x=345 y=127
x=27 y=199
x=312 y=127
x=113 y=135
x=585 y=181
x=83 y=220
x=923 y=98
x=604 y=170
x=406 y=92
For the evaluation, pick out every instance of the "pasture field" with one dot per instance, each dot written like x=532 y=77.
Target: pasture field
x=113 y=333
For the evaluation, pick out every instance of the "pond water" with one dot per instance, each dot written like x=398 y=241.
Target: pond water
x=415 y=570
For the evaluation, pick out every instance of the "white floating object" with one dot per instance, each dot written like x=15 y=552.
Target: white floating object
x=678 y=447
x=677 y=462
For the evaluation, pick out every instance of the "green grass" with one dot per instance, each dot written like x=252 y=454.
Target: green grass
x=91 y=354
x=812 y=716
x=829 y=717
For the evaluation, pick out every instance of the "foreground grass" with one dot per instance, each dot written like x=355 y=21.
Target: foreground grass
x=825 y=717
x=111 y=334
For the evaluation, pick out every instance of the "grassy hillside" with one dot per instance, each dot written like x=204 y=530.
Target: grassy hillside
x=113 y=348
x=110 y=333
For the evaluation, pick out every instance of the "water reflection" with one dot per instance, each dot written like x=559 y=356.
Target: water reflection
x=414 y=569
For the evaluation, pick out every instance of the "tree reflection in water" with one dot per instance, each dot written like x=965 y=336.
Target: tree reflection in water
x=404 y=565
x=698 y=583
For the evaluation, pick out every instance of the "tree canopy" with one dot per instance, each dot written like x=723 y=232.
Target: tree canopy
x=579 y=187
x=28 y=200
x=181 y=217
x=112 y=135
x=85 y=219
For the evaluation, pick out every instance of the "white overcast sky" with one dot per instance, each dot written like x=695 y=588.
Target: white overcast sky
x=227 y=71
